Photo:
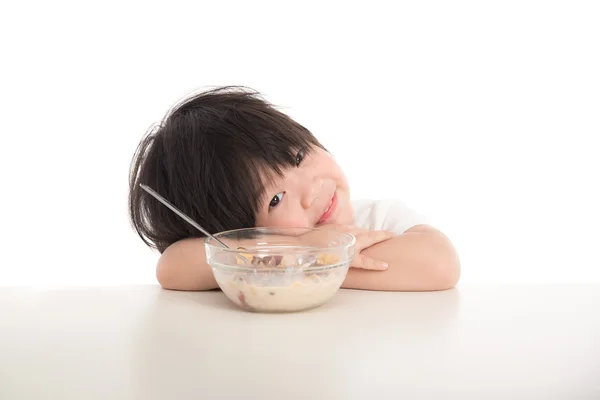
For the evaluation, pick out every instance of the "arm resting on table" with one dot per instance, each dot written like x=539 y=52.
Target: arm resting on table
x=421 y=259
x=182 y=266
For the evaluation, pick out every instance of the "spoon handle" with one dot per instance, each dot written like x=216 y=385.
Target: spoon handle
x=178 y=212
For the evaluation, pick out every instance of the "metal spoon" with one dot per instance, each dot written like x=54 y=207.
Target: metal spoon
x=181 y=214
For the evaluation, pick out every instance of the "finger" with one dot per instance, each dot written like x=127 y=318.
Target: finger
x=363 y=262
x=356 y=231
x=367 y=239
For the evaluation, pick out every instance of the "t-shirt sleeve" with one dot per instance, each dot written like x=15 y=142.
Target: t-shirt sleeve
x=389 y=215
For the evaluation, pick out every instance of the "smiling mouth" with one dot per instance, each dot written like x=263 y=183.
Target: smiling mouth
x=329 y=210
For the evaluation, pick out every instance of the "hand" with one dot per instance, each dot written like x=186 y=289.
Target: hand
x=364 y=239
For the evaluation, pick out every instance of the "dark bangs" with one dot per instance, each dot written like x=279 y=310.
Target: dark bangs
x=210 y=158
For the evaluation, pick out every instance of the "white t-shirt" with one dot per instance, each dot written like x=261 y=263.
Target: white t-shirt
x=388 y=215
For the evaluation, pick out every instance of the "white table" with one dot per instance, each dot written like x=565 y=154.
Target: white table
x=475 y=342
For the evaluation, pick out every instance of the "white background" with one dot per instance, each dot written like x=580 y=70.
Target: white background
x=484 y=116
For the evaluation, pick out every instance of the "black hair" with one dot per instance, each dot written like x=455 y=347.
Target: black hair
x=209 y=156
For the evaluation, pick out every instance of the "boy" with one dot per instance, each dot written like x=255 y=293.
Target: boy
x=230 y=160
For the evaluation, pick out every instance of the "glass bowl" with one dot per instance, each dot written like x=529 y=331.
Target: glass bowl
x=280 y=269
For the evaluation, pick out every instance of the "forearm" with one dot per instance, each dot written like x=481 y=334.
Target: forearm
x=183 y=267
x=422 y=259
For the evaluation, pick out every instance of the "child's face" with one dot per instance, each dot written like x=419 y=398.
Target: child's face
x=315 y=193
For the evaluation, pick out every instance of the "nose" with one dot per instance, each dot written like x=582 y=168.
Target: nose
x=311 y=190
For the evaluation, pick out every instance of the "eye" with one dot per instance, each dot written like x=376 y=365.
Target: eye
x=299 y=157
x=276 y=200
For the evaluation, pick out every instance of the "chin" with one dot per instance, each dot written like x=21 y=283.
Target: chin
x=346 y=216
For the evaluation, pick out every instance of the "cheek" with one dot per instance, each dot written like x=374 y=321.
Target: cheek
x=285 y=218
x=336 y=173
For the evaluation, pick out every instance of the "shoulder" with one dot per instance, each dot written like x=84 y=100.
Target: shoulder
x=386 y=214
